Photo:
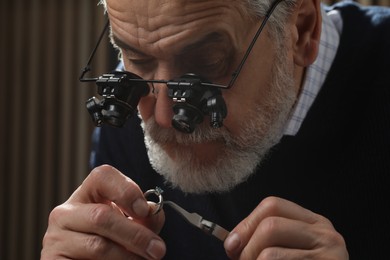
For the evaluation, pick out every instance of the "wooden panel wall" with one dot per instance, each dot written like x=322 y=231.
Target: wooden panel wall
x=44 y=127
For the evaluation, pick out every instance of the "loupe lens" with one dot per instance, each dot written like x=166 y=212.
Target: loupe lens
x=116 y=112
x=186 y=118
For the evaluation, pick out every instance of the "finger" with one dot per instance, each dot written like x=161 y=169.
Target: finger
x=154 y=222
x=287 y=254
x=282 y=232
x=105 y=184
x=298 y=254
x=73 y=245
x=106 y=221
x=271 y=206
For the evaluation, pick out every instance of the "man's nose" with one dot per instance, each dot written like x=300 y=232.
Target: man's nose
x=163 y=111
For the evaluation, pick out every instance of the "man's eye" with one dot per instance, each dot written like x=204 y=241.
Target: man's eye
x=214 y=65
x=143 y=65
x=213 y=69
x=136 y=61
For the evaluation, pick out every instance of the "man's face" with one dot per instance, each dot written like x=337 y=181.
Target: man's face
x=164 y=40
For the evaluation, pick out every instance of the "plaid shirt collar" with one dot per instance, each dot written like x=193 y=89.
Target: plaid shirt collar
x=316 y=73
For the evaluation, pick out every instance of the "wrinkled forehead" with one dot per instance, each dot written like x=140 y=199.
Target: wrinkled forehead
x=155 y=6
x=161 y=23
x=163 y=5
x=147 y=11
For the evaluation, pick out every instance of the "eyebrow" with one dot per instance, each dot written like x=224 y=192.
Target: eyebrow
x=213 y=37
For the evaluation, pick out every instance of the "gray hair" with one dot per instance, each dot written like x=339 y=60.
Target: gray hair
x=278 y=19
x=103 y=3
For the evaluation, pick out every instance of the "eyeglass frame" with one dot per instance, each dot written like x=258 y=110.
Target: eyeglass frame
x=234 y=76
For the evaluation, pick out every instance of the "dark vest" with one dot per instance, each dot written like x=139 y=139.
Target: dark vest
x=338 y=164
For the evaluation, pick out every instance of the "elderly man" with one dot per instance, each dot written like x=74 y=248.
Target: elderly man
x=298 y=166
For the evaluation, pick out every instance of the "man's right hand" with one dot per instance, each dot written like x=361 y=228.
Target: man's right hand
x=107 y=217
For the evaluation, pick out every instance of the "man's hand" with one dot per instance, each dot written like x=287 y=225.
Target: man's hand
x=280 y=229
x=107 y=217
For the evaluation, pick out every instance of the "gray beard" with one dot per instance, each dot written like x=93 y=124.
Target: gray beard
x=241 y=154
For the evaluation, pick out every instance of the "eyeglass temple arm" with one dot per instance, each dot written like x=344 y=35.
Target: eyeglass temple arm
x=87 y=68
x=263 y=23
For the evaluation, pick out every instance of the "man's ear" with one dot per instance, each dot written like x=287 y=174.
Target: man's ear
x=307 y=22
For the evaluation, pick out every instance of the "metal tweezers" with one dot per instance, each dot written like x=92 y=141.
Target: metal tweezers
x=194 y=219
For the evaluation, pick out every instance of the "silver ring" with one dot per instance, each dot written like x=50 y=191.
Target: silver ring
x=158 y=192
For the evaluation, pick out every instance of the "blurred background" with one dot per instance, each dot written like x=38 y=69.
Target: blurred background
x=45 y=129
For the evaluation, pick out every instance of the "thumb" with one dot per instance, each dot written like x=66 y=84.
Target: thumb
x=155 y=220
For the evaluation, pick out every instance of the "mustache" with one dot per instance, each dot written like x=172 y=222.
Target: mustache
x=202 y=133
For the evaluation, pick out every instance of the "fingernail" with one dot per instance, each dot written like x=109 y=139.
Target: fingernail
x=232 y=242
x=141 y=208
x=156 y=249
